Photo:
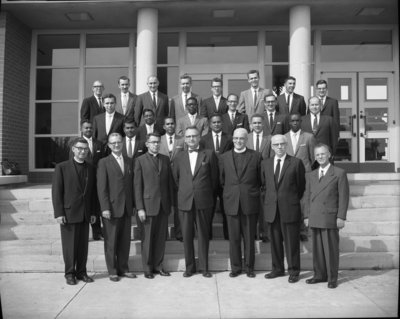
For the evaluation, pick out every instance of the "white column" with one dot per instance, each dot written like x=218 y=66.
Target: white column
x=146 y=50
x=300 y=48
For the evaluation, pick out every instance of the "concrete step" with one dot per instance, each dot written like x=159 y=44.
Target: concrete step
x=28 y=218
x=374 y=214
x=385 y=228
x=381 y=201
x=25 y=205
x=375 y=188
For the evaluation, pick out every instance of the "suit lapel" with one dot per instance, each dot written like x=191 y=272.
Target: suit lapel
x=115 y=166
x=74 y=173
x=232 y=163
x=325 y=181
x=286 y=164
x=199 y=162
x=245 y=163
x=299 y=142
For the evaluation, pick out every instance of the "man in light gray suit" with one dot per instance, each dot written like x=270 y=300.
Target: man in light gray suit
x=192 y=119
x=251 y=100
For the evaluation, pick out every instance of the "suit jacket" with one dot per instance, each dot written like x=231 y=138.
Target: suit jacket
x=298 y=104
x=96 y=154
x=326 y=133
x=328 y=199
x=90 y=108
x=287 y=194
x=177 y=109
x=130 y=106
x=197 y=188
x=99 y=126
x=240 y=121
x=208 y=107
x=304 y=149
x=71 y=199
x=241 y=189
x=114 y=188
x=225 y=144
x=265 y=148
x=246 y=104
x=200 y=122
x=141 y=132
x=145 y=101
x=154 y=185
x=331 y=108
x=280 y=125
x=178 y=146
x=139 y=149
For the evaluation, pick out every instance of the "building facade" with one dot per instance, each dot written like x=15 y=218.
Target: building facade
x=52 y=52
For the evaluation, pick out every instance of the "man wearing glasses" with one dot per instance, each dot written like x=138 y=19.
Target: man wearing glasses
x=93 y=105
x=154 y=196
x=232 y=119
x=74 y=196
x=283 y=178
x=215 y=103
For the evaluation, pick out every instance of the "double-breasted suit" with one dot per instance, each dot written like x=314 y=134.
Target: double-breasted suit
x=177 y=109
x=325 y=201
x=74 y=197
x=240 y=179
x=240 y=121
x=90 y=108
x=145 y=101
x=130 y=106
x=208 y=107
x=115 y=192
x=154 y=193
x=246 y=101
x=194 y=204
x=283 y=212
x=298 y=105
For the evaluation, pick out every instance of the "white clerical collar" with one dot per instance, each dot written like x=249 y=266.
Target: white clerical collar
x=240 y=151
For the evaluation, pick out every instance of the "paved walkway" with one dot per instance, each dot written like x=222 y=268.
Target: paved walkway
x=361 y=293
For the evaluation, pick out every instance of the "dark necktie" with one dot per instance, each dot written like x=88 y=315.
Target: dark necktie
x=288 y=102
x=100 y=104
x=258 y=143
x=130 y=148
x=277 y=171
x=216 y=143
x=255 y=98
x=271 y=120
x=315 y=125
x=154 y=100
x=322 y=175
x=170 y=140
x=191 y=151
x=233 y=118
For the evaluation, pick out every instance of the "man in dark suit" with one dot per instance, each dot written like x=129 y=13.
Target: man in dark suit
x=178 y=102
x=132 y=146
x=232 y=119
x=283 y=178
x=74 y=196
x=290 y=102
x=153 y=100
x=149 y=126
x=321 y=126
x=154 y=196
x=196 y=175
x=219 y=142
x=171 y=145
x=240 y=179
x=115 y=190
x=93 y=105
x=326 y=201
x=215 y=103
x=274 y=122
x=126 y=100
x=108 y=122
x=329 y=106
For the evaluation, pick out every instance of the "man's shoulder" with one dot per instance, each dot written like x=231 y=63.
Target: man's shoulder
x=299 y=96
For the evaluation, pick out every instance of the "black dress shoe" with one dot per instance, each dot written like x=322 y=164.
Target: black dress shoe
x=148 y=275
x=98 y=237
x=114 y=278
x=128 y=274
x=187 y=274
x=70 y=280
x=234 y=274
x=207 y=274
x=303 y=238
x=313 y=280
x=274 y=274
x=251 y=274
x=332 y=284
x=179 y=239
x=85 y=278
x=293 y=278
x=162 y=272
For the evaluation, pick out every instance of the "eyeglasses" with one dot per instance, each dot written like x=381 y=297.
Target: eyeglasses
x=216 y=86
x=115 y=143
x=154 y=142
x=191 y=136
x=279 y=144
x=97 y=86
x=269 y=102
x=232 y=101
x=81 y=149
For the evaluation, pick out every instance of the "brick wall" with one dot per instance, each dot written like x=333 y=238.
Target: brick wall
x=15 y=53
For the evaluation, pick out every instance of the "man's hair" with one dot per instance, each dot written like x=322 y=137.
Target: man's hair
x=290 y=78
x=269 y=95
x=169 y=118
x=109 y=96
x=77 y=140
x=233 y=94
x=256 y=115
x=192 y=98
x=297 y=114
x=148 y=110
x=253 y=71
x=83 y=121
x=192 y=127
x=129 y=120
x=219 y=80
x=152 y=134
x=321 y=82
x=215 y=115
x=152 y=76
x=241 y=130
x=314 y=97
x=319 y=145
x=185 y=76
x=274 y=137
x=112 y=135
x=123 y=78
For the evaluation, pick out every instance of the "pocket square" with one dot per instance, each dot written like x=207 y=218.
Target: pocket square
x=239 y=124
x=302 y=144
x=140 y=151
x=278 y=123
x=203 y=163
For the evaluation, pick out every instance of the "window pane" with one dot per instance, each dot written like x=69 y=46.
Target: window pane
x=376 y=149
x=168 y=48
x=58 y=50
x=57 y=84
x=376 y=89
x=221 y=47
x=346 y=119
x=108 y=76
x=56 y=118
x=343 y=150
x=277 y=46
x=340 y=89
x=377 y=119
x=107 y=49
x=51 y=150
x=168 y=78
x=275 y=77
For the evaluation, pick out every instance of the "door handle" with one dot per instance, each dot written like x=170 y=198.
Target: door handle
x=364 y=118
x=352 y=118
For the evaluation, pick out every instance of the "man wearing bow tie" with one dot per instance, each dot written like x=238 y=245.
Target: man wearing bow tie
x=196 y=175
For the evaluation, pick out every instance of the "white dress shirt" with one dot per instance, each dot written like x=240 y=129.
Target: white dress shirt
x=295 y=138
x=276 y=162
x=109 y=119
x=170 y=145
x=217 y=99
x=260 y=137
x=291 y=100
x=131 y=141
x=150 y=128
x=90 y=143
x=187 y=95
x=193 y=159
x=322 y=171
x=192 y=118
x=120 y=160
